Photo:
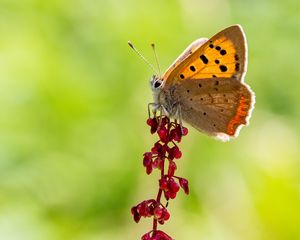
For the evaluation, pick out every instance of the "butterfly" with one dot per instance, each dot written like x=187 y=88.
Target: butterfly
x=205 y=85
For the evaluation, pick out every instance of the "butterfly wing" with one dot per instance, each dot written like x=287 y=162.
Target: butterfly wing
x=216 y=107
x=187 y=52
x=224 y=55
x=208 y=85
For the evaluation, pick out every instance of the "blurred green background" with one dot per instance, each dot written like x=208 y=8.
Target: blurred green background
x=73 y=109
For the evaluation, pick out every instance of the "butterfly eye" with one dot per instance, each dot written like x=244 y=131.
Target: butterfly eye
x=157 y=84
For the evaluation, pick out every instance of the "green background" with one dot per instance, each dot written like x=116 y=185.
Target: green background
x=73 y=102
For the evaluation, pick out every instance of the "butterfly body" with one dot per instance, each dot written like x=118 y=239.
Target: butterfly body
x=205 y=85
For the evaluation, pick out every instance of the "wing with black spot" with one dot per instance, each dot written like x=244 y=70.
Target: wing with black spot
x=217 y=107
x=222 y=56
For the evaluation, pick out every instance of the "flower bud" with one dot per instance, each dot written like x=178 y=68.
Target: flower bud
x=176 y=152
x=163 y=134
x=146 y=236
x=172 y=168
x=147 y=159
x=166 y=214
x=163 y=184
x=185 y=131
x=158 y=212
x=185 y=185
x=162 y=235
x=149 y=169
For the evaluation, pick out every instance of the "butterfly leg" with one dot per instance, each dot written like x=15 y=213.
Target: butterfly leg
x=179 y=117
x=155 y=106
x=160 y=116
x=163 y=111
x=149 y=104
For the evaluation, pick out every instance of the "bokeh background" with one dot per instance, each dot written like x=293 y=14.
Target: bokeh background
x=73 y=102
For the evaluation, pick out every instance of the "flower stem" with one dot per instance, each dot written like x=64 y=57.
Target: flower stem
x=154 y=228
x=168 y=185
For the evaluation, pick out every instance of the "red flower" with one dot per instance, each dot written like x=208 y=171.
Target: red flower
x=159 y=235
x=165 y=151
x=184 y=184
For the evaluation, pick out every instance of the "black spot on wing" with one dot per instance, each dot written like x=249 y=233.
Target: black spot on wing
x=204 y=59
x=192 y=68
x=223 y=68
x=223 y=52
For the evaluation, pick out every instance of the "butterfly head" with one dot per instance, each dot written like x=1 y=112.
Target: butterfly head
x=156 y=83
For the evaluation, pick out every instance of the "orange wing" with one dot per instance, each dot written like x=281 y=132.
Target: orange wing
x=185 y=54
x=224 y=55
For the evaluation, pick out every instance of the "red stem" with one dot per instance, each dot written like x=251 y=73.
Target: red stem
x=154 y=228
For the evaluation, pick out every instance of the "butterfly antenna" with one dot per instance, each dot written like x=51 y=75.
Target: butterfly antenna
x=141 y=56
x=156 y=58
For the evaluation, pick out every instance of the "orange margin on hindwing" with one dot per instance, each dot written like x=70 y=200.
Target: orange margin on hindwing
x=240 y=116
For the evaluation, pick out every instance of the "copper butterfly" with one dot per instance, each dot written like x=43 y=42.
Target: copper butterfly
x=205 y=85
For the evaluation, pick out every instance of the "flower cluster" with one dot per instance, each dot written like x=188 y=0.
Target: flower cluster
x=150 y=208
x=163 y=157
